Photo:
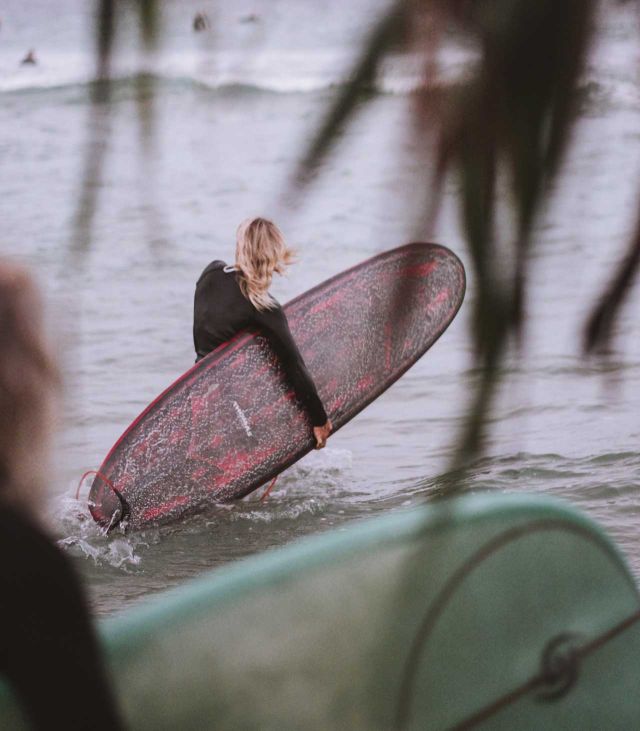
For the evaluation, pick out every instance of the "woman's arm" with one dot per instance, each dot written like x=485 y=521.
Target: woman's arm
x=274 y=325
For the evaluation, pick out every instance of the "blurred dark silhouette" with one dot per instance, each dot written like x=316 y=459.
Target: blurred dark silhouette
x=200 y=22
x=49 y=653
x=29 y=59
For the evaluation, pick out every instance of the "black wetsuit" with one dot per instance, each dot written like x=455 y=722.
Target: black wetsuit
x=221 y=310
x=49 y=653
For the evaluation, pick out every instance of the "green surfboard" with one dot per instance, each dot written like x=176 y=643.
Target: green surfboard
x=489 y=611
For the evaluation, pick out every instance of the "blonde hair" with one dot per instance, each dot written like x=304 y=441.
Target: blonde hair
x=260 y=251
x=28 y=377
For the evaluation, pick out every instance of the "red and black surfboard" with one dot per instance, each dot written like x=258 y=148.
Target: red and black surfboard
x=232 y=421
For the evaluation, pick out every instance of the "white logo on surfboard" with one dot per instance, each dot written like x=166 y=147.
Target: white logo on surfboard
x=243 y=419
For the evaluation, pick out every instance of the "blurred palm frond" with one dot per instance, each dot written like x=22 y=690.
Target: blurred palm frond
x=148 y=14
x=108 y=13
x=505 y=123
x=601 y=322
x=98 y=127
x=387 y=33
x=149 y=22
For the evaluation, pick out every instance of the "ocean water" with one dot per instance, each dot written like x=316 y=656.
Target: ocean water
x=233 y=109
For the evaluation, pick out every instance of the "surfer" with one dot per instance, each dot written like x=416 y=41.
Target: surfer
x=200 y=22
x=29 y=59
x=231 y=298
x=49 y=653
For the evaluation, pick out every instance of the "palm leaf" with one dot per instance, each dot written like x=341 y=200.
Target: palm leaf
x=386 y=33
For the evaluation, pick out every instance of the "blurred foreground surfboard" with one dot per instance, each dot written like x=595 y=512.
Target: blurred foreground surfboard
x=485 y=612
x=232 y=422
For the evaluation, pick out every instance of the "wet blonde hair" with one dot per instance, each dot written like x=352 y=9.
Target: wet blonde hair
x=260 y=251
x=28 y=382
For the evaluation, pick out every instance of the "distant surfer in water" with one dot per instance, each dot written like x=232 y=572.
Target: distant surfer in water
x=231 y=298
x=49 y=652
x=200 y=22
x=29 y=59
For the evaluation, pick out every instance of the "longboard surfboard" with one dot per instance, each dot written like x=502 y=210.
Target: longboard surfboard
x=232 y=422
x=490 y=612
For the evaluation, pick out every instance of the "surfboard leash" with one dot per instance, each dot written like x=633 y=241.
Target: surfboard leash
x=265 y=494
x=106 y=480
x=124 y=505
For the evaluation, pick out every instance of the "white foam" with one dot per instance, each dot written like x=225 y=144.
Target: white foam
x=83 y=537
x=325 y=461
x=279 y=71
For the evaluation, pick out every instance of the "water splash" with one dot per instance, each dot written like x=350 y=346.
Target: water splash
x=305 y=490
x=83 y=538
